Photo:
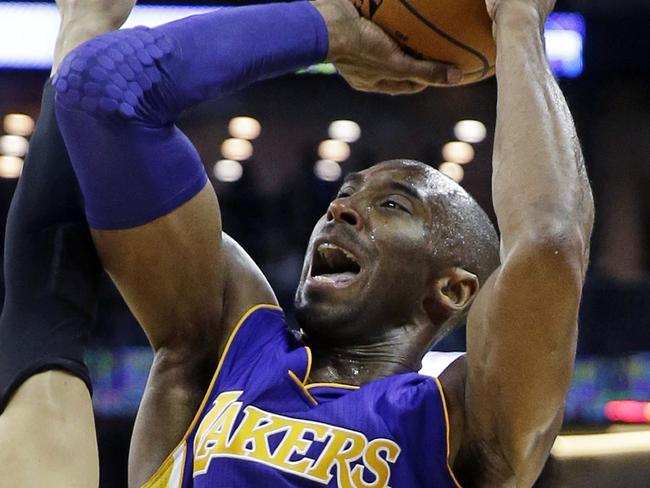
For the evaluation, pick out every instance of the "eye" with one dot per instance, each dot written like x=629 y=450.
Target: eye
x=395 y=205
x=344 y=192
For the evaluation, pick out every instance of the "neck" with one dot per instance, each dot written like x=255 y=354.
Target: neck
x=360 y=364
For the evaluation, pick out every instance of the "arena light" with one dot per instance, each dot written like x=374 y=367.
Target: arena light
x=28 y=30
x=628 y=411
x=565 y=37
x=228 y=170
x=454 y=170
x=471 y=131
x=334 y=150
x=11 y=145
x=244 y=128
x=327 y=170
x=19 y=125
x=237 y=149
x=458 y=152
x=10 y=166
x=345 y=130
x=601 y=445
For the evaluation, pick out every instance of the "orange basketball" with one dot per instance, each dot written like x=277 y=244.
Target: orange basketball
x=453 y=31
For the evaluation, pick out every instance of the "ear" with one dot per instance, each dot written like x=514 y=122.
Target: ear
x=452 y=292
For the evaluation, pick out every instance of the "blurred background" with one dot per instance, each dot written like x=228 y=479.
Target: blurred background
x=276 y=152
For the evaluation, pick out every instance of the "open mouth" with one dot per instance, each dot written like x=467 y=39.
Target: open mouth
x=335 y=265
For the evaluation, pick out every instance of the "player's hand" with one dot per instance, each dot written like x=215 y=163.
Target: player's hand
x=539 y=9
x=370 y=60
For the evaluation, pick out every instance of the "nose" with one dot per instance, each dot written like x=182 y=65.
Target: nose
x=340 y=210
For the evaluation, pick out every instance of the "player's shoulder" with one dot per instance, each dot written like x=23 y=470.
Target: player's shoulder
x=246 y=285
x=247 y=292
x=261 y=326
x=256 y=337
x=450 y=372
x=452 y=380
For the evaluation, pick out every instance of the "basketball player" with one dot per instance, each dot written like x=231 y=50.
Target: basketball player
x=395 y=263
x=51 y=281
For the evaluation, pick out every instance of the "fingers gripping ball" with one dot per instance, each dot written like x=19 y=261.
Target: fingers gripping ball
x=457 y=32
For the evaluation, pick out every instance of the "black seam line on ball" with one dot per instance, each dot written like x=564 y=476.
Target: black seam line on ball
x=438 y=30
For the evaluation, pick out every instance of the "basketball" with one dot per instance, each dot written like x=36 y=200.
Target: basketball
x=458 y=32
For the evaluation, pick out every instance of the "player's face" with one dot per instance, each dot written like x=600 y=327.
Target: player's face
x=368 y=264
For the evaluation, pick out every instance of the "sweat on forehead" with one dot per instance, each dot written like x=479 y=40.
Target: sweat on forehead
x=464 y=233
x=419 y=175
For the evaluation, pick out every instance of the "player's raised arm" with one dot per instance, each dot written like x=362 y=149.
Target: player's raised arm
x=522 y=327
x=118 y=97
x=155 y=218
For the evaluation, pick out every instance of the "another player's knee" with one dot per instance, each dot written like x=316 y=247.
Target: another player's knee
x=109 y=76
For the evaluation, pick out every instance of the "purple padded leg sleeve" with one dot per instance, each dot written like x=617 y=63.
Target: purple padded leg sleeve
x=119 y=94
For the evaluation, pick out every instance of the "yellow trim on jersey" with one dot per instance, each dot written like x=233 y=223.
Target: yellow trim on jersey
x=308 y=370
x=161 y=477
x=302 y=387
x=447 y=428
x=333 y=385
x=305 y=387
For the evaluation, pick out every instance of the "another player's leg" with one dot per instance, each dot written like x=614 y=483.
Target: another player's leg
x=47 y=432
x=46 y=426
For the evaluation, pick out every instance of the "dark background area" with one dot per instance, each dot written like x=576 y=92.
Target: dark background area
x=271 y=210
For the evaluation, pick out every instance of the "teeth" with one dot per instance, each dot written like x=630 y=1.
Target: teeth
x=349 y=255
x=325 y=247
x=334 y=265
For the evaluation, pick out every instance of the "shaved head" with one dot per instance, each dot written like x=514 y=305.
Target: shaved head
x=462 y=234
x=465 y=236
x=393 y=231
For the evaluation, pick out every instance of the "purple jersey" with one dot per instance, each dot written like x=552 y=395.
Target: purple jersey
x=262 y=424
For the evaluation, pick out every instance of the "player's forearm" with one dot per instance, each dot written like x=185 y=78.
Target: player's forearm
x=191 y=60
x=231 y=48
x=118 y=95
x=539 y=182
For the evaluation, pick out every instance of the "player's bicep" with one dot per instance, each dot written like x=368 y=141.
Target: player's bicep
x=521 y=346
x=170 y=271
x=178 y=383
